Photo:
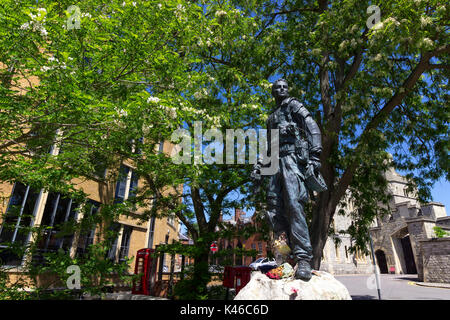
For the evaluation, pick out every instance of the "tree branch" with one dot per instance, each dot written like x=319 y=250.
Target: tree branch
x=395 y=100
x=295 y=10
x=438 y=66
x=199 y=209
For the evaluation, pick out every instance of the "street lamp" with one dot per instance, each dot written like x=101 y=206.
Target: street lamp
x=377 y=275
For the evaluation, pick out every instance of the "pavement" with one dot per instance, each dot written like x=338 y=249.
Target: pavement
x=433 y=285
x=360 y=287
x=393 y=287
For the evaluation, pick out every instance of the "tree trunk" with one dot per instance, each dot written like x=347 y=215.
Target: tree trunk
x=324 y=208
x=322 y=215
x=201 y=275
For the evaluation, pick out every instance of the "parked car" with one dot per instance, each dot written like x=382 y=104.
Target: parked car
x=263 y=264
x=216 y=268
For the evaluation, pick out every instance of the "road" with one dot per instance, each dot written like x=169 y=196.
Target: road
x=393 y=287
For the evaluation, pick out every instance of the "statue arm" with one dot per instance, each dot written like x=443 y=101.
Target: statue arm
x=256 y=172
x=259 y=162
x=316 y=138
x=300 y=113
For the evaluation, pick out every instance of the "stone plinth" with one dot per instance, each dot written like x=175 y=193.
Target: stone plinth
x=322 y=286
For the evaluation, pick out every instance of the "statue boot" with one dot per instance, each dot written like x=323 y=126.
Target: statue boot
x=303 y=270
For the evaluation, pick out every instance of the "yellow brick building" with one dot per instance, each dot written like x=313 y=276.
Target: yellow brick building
x=38 y=207
x=50 y=209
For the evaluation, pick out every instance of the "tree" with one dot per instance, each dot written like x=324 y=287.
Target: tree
x=77 y=79
x=373 y=84
x=220 y=93
x=359 y=82
x=117 y=86
x=145 y=69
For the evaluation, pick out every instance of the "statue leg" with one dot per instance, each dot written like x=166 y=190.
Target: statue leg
x=276 y=217
x=294 y=196
x=275 y=208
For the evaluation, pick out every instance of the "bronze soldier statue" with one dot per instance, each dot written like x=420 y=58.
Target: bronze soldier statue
x=298 y=171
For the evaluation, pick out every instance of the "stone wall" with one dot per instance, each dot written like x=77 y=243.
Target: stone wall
x=419 y=229
x=443 y=222
x=339 y=259
x=436 y=260
x=383 y=240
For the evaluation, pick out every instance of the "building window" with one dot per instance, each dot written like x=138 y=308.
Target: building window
x=171 y=219
x=133 y=185
x=137 y=146
x=151 y=232
x=336 y=249
x=121 y=185
x=114 y=231
x=127 y=184
x=360 y=256
x=87 y=235
x=58 y=212
x=260 y=248
x=19 y=216
x=125 y=243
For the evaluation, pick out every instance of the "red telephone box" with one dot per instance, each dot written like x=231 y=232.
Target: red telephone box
x=236 y=277
x=143 y=266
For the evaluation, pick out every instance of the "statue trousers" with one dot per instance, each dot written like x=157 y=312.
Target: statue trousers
x=287 y=195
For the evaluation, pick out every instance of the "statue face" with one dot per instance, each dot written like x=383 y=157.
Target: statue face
x=280 y=90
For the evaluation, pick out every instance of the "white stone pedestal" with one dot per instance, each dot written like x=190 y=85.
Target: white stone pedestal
x=322 y=286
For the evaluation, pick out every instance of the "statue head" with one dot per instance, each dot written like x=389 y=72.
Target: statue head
x=280 y=90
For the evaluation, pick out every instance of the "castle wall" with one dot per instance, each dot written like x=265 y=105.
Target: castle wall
x=436 y=260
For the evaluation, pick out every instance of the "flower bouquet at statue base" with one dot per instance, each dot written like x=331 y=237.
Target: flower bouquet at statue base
x=281 y=248
x=282 y=272
x=282 y=254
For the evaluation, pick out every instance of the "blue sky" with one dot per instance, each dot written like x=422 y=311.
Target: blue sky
x=441 y=193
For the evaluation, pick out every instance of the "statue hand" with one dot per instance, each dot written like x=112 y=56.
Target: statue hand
x=314 y=158
x=316 y=164
x=256 y=173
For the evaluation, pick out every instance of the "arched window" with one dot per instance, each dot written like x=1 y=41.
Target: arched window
x=336 y=249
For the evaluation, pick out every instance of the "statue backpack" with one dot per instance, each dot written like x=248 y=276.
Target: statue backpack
x=314 y=180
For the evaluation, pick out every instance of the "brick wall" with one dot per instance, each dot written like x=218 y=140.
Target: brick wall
x=436 y=260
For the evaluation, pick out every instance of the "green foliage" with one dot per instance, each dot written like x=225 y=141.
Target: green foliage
x=371 y=91
x=191 y=289
x=86 y=91
x=44 y=275
x=145 y=68
x=12 y=290
x=218 y=292
x=439 y=232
